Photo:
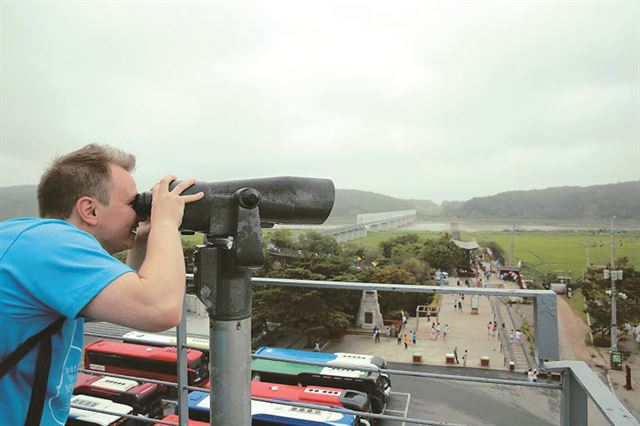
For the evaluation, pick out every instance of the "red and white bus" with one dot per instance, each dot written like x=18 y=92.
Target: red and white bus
x=80 y=417
x=350 y=399
x=175 y=419
x=144 y=398
x=143 y=361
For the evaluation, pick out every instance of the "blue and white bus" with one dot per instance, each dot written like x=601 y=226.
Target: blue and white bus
x=342 y=359
x=266 y=413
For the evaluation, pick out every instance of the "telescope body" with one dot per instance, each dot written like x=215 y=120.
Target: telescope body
x=283 y=200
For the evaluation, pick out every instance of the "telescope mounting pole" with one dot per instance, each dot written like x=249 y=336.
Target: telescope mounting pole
x=223 y=283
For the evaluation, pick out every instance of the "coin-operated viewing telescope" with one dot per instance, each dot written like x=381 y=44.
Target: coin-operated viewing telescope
x=231 y=215
x=229 y=207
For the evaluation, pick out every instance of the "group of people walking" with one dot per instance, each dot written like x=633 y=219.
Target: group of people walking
x=407 y=338
x=436 y=330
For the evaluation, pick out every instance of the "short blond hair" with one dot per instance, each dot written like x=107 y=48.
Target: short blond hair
x=84 y=172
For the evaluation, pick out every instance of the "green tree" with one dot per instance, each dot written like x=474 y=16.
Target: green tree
x=314 y=243
x=282 y=238
x=595 y=290
x=387 y=246
x=442 y=253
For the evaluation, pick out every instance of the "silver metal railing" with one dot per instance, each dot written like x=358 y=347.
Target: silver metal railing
x=578 y=381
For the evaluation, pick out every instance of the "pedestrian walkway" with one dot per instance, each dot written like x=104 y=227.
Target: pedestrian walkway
x=466 y=331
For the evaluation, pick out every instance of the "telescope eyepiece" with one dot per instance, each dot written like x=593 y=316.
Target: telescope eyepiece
x=142 y=205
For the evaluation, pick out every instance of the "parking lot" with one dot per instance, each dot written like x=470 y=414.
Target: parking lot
x=397 y=406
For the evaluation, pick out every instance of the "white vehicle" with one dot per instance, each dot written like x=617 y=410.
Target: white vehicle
x=79 y=417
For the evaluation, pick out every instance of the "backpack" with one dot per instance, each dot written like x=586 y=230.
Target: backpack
x=43 y=365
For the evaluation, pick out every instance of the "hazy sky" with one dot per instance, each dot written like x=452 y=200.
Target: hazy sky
x=436 y=100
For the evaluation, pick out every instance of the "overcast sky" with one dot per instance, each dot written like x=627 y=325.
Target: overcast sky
x=432 y=100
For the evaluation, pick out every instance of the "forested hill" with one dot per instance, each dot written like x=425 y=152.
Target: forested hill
x=351 y=202
x=592 y=202
x=566 y=202
x=18 y=201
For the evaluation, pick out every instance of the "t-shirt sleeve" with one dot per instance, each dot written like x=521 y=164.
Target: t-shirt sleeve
x=62 y=267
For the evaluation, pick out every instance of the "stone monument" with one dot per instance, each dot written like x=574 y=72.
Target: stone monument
x=369 y=315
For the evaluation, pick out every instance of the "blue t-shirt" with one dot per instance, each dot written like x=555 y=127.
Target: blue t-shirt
x=48 y=268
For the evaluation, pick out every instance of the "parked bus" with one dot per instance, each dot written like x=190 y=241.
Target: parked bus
x=339 y=358
x=289 y=373
x=376 y=385
x=266 y=413
x=79 y=417
x=152 y=339
x=350 y=399
x=175 y=419
x=143 y=361
x=144 y=398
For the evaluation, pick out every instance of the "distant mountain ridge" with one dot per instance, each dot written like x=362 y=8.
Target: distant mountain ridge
x=18 y=201
x=566 y=202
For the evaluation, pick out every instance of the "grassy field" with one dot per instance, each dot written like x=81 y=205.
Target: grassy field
x=564 y=253
x=560 y=252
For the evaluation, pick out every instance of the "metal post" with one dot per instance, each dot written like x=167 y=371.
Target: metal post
x=545 y=314
x=614 y=326
x=230 y=364
x=225 y=291
x=574 y=401
x=183 y=393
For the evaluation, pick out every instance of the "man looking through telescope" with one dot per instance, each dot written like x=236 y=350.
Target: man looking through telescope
x=61 y=266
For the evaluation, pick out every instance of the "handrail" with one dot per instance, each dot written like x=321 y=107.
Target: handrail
x=501 y=332
x=521 y=342
x=610 y=407
x=578 y=380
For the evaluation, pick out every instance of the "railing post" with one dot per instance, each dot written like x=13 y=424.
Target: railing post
x=183 y=393
x=574 y=401
x=545 y=311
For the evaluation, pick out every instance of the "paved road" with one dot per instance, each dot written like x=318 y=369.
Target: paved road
x=470 y=403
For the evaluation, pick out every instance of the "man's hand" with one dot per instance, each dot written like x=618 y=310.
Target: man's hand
x=168 y=206
x=142 y=232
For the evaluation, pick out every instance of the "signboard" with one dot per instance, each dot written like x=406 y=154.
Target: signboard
x=475 y=301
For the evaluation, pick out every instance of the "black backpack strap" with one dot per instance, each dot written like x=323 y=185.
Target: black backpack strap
x=43 y=365
x=26 y=346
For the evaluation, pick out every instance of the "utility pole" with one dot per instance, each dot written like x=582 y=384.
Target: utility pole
x=614 y=326
x=586 y=246
x=513 y=229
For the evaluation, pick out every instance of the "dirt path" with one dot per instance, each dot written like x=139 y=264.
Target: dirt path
x=572 y=332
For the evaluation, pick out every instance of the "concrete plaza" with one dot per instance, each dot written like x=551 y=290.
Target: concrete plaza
x=466 y=331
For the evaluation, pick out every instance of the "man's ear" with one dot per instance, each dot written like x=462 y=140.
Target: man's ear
x=86 y=210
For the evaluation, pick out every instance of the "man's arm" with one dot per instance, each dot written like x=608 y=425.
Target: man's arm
x=135 y=256
x=151 y=300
